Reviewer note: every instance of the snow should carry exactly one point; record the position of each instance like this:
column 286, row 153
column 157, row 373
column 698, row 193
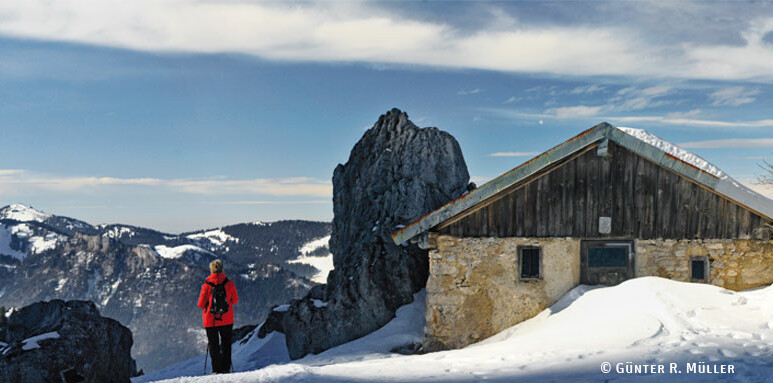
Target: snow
column 318, row 303
column 281, row 308
column 216, row 236
column 32, row 343
column 726, row 184
column 323, row 264
column 646, row 320
column 255, row 353
column 5, row 244
column 313, row 245
column 41, row 244
column 23, row 213
column 673, row 150
column 177, row 251
column 119, row 232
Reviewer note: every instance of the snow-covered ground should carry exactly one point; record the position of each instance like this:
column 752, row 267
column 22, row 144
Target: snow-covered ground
column 322, row 263
column 642, row 321
column 23, row 213
column 177, row 251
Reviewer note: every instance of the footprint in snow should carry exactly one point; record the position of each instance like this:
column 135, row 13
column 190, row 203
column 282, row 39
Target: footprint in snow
column 740, row 301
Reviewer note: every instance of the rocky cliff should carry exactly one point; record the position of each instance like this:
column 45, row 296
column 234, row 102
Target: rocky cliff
column 395, row 174
column 60, row 341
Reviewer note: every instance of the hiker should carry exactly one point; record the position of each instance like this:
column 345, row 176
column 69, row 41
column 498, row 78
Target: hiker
column 217, row 298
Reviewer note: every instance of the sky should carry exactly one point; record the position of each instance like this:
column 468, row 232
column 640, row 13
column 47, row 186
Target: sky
column 190, row 114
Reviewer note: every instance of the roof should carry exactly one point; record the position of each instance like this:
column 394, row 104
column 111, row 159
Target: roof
column 638, row 141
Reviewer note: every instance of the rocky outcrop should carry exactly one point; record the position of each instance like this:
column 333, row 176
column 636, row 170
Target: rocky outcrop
column 395, row 174
column 60, row 341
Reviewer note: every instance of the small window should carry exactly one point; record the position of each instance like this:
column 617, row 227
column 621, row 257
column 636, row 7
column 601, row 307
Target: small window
column 530, row 258
column 699, row 268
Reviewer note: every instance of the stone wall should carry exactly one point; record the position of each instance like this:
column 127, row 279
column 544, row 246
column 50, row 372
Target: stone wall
column 733, row 264
column 474, row 290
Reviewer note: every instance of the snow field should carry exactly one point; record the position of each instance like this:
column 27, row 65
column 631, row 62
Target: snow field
column 644, row 320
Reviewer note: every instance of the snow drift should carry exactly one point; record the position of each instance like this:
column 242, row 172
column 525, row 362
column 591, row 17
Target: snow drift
column 647, row 319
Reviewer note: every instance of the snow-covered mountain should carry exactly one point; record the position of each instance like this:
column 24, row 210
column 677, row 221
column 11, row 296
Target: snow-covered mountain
column 150, row 280
column 643, row 321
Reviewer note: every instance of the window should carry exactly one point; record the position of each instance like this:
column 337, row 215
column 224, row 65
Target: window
column 699, row 268
column 530, row 260
column 607, row 257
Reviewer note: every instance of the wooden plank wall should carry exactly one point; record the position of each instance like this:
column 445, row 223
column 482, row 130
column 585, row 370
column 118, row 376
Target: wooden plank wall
column 645, row 201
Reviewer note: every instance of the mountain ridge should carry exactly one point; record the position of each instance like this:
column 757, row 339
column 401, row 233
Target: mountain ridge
column 139, row 275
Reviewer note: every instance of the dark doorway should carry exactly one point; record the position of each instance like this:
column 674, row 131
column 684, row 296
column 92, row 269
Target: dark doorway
column 606, row 262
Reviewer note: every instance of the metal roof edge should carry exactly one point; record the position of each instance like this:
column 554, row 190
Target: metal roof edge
column 662, row 158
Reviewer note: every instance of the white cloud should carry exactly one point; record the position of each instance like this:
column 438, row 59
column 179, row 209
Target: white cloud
column 468, row 92
column 733, row 96
column 513, row 154
column 697, row 123
column 278, row 202
column 8, row 172
column 574, row 111
column 680, row 119
column 24, row 182
column 362, row 31
column 512, row 99
column 587, row 89
column 730, row 143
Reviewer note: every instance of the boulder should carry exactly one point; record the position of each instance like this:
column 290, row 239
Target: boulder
column 395, row 174
column 64, row 341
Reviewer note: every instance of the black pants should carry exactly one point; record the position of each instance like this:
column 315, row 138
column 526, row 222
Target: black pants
column 219, row 338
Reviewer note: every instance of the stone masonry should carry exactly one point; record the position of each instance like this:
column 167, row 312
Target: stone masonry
column 474, row 290
column 735, row 264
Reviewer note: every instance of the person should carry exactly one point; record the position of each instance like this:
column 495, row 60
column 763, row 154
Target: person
column 218, row 326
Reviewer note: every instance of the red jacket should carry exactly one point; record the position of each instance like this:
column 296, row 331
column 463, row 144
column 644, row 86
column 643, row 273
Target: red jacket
column 206, row 297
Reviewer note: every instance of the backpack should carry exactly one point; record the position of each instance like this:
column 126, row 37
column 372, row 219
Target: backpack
column 219, row 303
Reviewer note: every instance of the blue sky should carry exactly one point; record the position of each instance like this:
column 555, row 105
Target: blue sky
column 181, row 115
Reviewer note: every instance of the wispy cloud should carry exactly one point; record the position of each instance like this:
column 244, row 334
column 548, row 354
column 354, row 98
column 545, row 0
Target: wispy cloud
column 733, row 96
column 574, row 111
column 468, row 92
column 692, row 122
column 278, row 202
column 22, row 181
column 368, row 32
column 513, row 154
column 8, row 172
column 587, row 89
column 730, row 143
column 512, row 100
column 678, row 119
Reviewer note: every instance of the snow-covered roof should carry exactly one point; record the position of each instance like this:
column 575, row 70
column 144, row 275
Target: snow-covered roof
column 638, row 141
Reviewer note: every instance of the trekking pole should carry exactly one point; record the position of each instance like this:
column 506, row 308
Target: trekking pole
column 205, row 360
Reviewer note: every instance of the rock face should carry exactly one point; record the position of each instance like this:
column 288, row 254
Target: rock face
column 395, row 174
column 60, row 341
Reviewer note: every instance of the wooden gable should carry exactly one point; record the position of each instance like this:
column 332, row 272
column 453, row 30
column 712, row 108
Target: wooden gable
column 644, row 200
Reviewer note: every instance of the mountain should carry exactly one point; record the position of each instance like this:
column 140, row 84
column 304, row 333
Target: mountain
column 149, row 280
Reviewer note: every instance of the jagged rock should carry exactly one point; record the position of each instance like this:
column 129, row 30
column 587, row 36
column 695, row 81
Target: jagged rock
column 395, row 174
column 60, row 341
